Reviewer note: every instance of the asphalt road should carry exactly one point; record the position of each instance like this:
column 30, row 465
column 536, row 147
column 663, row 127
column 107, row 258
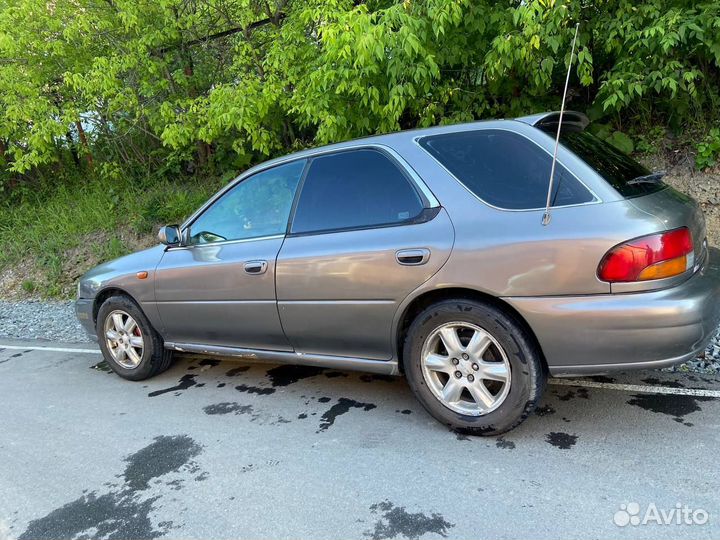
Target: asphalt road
column 220, row 449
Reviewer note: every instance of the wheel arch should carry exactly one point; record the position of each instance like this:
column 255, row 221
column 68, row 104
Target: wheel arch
column 422, row 301
column 106, row 293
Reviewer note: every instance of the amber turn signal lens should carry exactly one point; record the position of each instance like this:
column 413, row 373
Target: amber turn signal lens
column 142, row 275
column 664, row 269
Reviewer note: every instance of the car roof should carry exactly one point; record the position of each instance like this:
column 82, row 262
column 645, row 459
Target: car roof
column 386, row 139
column 544, row 119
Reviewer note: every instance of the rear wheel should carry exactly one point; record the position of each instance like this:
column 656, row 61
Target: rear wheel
column 129, row 343
column 473, row 367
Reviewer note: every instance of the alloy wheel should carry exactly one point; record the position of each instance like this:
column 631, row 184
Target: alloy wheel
column 466, row 368
column 124, row 339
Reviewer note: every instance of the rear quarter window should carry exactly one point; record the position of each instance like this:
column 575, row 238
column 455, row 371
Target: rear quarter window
column 618, row 169
column 505, row 169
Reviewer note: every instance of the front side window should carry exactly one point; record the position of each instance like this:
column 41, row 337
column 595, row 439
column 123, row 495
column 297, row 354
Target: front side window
column 505, row 169
column 354, row 189
column 256, row 207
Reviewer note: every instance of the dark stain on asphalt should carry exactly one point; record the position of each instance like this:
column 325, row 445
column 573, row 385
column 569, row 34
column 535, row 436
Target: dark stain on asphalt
column 209, row 362
column 17, row 355
column 176, row 485
column 254, row 390
column 119, row 513
column 545, row 410
column 227, row 408
column 602, row 379
column 238, row 409
column 289, row 374
column 667, row 384
column 335, row 374
column 404, row 411
column 113, row 515
column 324, row 400
column 572, row 394
column 341, row 407
column 561, row 440
column 395, row 521
column 185, row 382
column 237, row 370
column 221, row 385
column 102, row 366
column 676, row 406
column 370, row 377
column 500, row 442
column 167, row 454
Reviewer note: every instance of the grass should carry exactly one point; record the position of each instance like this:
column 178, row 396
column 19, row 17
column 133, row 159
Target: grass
column 55, row 234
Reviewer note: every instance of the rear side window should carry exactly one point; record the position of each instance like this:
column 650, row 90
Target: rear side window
column 618, row 169
column 505, row 169
column 354, row 189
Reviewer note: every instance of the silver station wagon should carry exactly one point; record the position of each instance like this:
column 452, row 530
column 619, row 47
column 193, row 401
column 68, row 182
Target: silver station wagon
column 424, row 253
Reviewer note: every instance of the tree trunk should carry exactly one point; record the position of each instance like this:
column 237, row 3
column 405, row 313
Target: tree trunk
column 84, row 144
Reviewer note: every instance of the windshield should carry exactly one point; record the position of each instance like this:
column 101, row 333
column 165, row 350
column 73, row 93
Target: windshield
column 620, row 170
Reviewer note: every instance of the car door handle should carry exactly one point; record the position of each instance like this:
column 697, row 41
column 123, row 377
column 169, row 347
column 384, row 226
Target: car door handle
column 412, row 257
column 255, row 267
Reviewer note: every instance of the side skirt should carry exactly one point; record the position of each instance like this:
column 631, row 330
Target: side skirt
column 382, row 367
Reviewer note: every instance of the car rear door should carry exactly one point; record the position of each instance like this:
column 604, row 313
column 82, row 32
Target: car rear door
column 219, row 288
column 365, row 233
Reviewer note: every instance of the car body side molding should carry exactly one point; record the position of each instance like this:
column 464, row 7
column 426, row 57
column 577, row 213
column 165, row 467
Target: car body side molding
column 382, row 367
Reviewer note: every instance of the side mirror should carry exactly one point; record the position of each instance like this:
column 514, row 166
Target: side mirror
column 170, row 235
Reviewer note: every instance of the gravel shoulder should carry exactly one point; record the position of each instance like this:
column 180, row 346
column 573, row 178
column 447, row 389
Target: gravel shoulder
column 34, row 319
column 55, row 321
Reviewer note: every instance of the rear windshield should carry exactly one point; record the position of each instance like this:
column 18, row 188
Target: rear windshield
column 620, row 170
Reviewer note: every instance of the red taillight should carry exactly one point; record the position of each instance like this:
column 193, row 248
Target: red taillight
column 655, row 256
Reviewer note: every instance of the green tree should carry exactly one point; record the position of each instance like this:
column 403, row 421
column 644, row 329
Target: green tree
column 141, row 87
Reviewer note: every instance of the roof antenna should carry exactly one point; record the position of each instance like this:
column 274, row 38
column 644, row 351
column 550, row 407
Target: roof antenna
column 546, row 215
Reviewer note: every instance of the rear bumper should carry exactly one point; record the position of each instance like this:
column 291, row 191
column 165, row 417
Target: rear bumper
column 590, row 335
column 84, row 314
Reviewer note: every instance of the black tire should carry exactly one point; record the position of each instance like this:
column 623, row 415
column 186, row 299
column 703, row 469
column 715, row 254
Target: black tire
column 154, row 360
column 527, row 374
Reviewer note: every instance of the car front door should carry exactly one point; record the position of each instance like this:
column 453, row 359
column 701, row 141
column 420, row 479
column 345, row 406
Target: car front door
column 219, row 287
column 363, row 236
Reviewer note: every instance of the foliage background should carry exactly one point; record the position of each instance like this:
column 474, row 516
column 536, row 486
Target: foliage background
column 116, row 115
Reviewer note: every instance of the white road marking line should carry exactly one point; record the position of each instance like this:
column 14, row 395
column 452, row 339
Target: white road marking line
column 637, row 388
column 54, row 349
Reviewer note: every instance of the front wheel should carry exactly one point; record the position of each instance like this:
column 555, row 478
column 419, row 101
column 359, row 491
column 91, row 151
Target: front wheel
column 129, row 343
column 473, row 367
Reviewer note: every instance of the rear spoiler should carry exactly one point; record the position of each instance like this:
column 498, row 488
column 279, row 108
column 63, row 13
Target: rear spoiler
column 549, row 120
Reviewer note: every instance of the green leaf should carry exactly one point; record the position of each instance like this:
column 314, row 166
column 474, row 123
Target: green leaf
column 621, row 141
